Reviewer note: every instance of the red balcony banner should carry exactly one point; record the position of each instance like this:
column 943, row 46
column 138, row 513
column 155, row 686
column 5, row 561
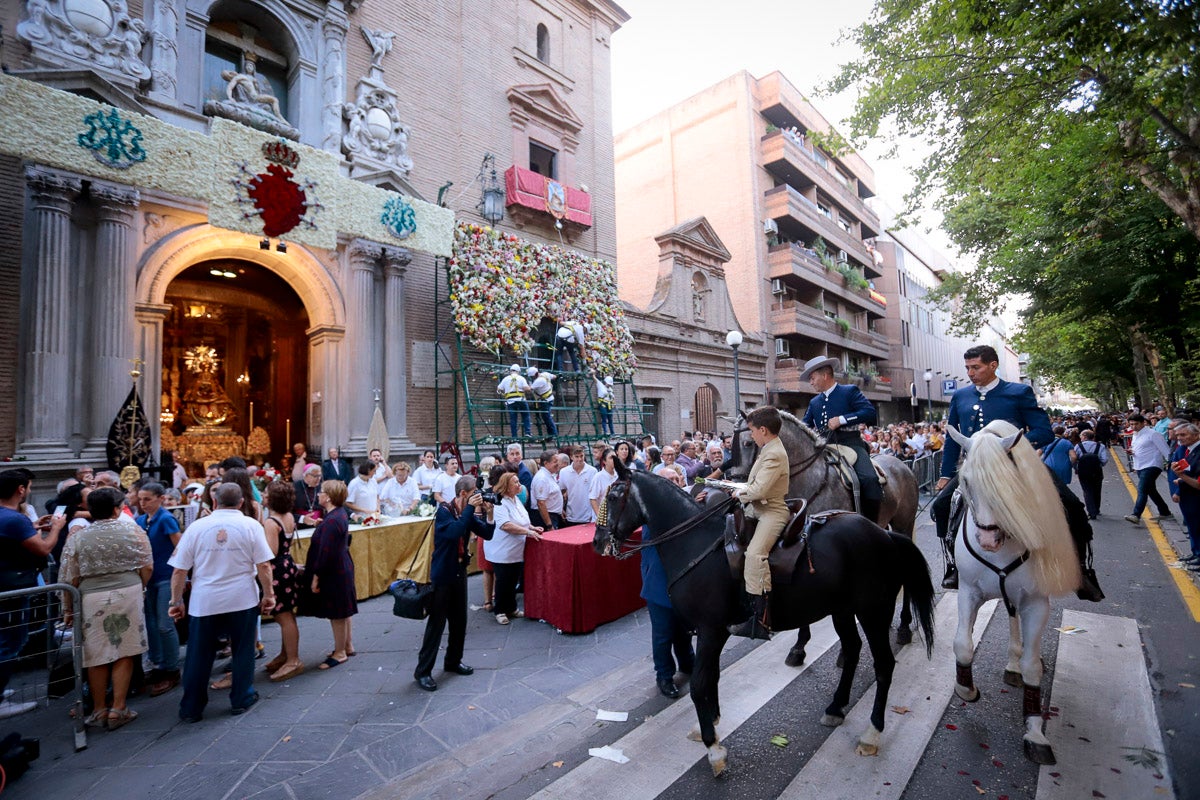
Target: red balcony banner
column 878, row 298
column 527, row 189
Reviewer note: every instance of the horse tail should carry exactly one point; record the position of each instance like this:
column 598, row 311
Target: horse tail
column 914, row 573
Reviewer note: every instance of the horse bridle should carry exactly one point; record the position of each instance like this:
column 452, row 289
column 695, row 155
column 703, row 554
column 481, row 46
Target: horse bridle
column 613, row 547
column 1001, row 572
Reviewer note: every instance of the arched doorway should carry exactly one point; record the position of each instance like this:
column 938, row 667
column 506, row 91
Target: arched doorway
column 255, row 325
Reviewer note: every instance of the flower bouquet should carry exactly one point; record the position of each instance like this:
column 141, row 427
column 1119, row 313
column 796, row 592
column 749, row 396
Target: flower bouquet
column 425, row 510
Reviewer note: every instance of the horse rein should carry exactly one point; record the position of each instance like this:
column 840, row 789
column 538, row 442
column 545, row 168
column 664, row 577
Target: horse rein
column 1001, row 572
column 615, row 546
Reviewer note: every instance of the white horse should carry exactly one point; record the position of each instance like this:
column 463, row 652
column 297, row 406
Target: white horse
column 1014, row 544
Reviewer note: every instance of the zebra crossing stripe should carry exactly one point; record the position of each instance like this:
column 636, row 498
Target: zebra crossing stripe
column 1106, row 735
column 923, row 686
column 658, row 749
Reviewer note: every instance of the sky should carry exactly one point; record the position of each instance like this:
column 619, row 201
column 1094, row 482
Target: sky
column 672, row 49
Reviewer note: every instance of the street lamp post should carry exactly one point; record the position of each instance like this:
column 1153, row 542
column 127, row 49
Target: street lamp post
column 734, row 340
column 929, row 395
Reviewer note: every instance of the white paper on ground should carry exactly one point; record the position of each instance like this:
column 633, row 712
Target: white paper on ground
column 612, row 716
column 609, row 753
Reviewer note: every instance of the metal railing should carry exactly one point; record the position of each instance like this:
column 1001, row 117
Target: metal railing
column 49, row 663
column 926, row 467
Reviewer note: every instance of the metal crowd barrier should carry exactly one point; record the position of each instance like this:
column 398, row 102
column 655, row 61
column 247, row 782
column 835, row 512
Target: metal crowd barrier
column 50, row 663
column 926, row 467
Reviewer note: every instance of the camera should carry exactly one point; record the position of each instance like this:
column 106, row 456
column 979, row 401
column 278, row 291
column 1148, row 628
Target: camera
column 488, row 496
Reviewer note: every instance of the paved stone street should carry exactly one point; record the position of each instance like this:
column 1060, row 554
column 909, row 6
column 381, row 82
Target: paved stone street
column 345, row 731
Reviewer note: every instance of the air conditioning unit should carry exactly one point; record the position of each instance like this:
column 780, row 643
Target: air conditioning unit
column 770, row 227
column 783, row 348
column 777, row 286
column 842, row 257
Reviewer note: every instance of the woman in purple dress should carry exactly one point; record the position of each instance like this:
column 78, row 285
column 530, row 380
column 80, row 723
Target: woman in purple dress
column 330, row 572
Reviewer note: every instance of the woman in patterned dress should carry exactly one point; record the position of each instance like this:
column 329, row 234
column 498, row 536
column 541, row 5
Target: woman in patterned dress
column 110, row 562
column 280, row 528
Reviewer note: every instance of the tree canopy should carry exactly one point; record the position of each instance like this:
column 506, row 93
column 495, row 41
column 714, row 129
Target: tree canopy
column 1067, row 160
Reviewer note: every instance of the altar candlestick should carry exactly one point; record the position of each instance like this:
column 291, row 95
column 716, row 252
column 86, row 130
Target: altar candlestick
column 287, row 436
column 252, row 415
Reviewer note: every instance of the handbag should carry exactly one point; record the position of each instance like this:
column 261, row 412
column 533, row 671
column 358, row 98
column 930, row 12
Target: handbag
column 410, row 599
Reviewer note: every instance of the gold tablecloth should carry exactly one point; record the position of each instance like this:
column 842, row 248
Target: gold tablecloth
column 382, row 553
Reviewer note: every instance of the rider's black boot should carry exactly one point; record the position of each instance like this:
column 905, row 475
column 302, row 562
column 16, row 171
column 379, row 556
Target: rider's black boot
column 758, row 626
column 1089, row 587
column 950, row 580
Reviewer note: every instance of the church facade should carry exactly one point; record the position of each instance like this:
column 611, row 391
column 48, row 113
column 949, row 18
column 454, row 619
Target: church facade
column 248, row 205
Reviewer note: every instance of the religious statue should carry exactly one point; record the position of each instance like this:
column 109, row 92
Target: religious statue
column 250, row 100
column 381, row 45
column 205, row 400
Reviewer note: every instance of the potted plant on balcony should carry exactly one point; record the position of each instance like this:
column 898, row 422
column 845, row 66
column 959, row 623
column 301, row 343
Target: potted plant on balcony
column 843, row 325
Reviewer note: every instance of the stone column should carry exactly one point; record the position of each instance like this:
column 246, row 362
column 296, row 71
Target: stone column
column 164, row 48
column 148, row 344
column 327, row 384
column 110, row 338
column 363, row 257
column 333, row 75
column 47, row 322
column 395, row 342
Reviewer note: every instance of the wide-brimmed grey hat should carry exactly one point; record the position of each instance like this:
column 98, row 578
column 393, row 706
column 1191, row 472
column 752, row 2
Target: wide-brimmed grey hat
column 814, row 364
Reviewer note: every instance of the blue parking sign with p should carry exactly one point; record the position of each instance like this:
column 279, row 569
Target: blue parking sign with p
column 949, row 387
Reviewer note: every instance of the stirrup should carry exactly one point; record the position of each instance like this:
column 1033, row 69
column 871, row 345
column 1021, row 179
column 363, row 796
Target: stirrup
column 758, row 626
column 950, row 581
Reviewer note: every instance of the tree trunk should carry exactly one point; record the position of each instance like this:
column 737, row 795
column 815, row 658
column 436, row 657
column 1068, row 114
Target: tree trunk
column 1139, row 374
column 1150, row 351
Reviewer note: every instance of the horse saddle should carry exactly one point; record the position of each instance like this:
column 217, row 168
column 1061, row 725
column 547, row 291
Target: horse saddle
column 739, row 530
column 845, row 462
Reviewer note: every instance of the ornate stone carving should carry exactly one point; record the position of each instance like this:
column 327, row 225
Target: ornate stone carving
column 251, row 101
column 377, row 139
column 164, row 49
column 333, row 83
column 97, row 34
column 158, row 225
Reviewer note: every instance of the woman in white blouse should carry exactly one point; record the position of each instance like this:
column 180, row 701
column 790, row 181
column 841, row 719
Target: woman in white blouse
column 399, row 496
column 506, row 550
column 425, row 474
column 603, row 479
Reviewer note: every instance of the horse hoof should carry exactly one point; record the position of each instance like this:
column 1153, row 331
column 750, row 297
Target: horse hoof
column 1039, row 753
column 1013, row 678
column 794, row 657
column 718, row 760
column 694, row 735
column 970, row 695
column 903, row 636
column 832, row 721
column 867, row 749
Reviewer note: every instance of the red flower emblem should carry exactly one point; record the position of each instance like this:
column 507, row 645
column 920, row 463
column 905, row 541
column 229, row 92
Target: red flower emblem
column 280, row 200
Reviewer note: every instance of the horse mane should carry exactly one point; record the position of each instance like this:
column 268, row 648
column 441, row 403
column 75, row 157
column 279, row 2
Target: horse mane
column 1019, row 494
column 816, row 438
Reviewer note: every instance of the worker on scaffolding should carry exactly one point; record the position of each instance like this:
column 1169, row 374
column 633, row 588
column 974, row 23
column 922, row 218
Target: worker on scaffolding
column 542, row 386
column 570, row 342
column 513, row 388
column 605, row 402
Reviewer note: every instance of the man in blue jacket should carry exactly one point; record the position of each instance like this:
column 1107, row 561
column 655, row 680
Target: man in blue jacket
column 453, row 525
column 838, row 411
column 971, row 409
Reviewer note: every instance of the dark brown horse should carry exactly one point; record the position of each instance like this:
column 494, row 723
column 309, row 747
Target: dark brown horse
column 859, row 570
column 815, row 477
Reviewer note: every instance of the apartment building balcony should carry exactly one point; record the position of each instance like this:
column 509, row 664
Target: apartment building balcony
column 538, row 197
column 787, row 380
column 797, row 163
column 792, row 209
column 790, row 318
column 792, row 262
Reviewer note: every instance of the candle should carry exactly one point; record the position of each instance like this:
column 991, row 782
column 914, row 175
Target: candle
column 287, row 436
column 251, row 415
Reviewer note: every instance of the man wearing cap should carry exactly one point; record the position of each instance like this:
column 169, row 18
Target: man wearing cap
column 513, row 388
column 837, row 411
column 570, row 342
column 542, row 386
column 604, row 400
column 971, row 409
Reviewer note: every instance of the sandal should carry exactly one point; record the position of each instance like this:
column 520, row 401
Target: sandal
column 517, row 615
column 488, row 606
column 98, row 719
column 330, row 663
column 120, row 717
column 286, row 672
column 502, row 619
column 275, row 663
column 224, row 682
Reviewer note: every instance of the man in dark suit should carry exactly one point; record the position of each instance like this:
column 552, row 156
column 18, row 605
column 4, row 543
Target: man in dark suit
column 336, row 468
column 453, row 526
column 838, row 411
column 971, row 409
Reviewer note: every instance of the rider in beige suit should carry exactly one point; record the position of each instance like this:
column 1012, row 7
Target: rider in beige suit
column 765, row 500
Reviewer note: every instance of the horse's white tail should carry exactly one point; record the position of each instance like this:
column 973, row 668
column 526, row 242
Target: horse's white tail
column 1020, row 496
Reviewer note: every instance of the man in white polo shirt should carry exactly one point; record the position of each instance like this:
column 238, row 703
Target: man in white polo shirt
column 576, row 481
column 225, row 552
column 547, row 494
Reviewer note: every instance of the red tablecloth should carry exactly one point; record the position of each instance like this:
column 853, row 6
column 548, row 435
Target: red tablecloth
column 568, row 585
